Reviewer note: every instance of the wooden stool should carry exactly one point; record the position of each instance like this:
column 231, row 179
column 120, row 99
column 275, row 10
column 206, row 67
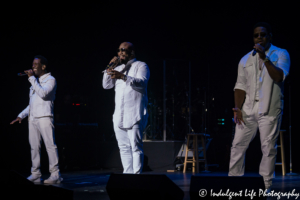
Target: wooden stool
column 282, row 152
column 195, row 160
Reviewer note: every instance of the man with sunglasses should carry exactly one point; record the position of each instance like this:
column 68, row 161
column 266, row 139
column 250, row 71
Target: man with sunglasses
column 130, row 78
column 258, row 95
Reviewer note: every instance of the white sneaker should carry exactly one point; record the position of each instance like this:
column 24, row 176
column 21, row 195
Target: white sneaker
column 34, row 178
column 53, row 180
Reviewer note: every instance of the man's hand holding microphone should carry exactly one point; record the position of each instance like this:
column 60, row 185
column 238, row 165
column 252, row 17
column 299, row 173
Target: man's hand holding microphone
column 113, row 73
column 28, row 72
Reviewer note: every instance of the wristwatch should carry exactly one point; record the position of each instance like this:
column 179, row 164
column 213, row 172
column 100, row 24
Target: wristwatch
column 266, row 59
column 125, row 78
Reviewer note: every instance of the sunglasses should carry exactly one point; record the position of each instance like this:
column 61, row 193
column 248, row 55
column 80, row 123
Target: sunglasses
column 122, row 50
column 261, row 34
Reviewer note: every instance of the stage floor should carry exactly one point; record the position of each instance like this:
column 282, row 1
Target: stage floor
column 91, row 185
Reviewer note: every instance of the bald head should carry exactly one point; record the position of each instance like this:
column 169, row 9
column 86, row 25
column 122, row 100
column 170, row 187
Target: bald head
column 126, row 52
column 128, row 45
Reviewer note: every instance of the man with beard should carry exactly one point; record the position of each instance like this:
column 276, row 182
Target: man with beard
column 261, row 74
column 40, row 119
column 130, row 78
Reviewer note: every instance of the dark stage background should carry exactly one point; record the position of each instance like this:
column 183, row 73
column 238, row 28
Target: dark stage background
column 80, row 39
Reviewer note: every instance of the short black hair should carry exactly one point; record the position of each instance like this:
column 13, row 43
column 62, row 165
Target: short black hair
column 43, row 60
column 265, row 25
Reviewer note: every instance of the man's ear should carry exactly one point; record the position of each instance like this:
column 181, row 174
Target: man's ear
column 44, row 67
column 271, row 37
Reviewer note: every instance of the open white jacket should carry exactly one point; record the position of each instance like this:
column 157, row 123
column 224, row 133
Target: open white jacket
column 41, row 97
column 131, row 96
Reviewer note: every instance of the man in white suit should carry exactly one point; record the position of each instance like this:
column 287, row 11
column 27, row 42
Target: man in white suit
column 130, row 78
column 40, row 119
column 258, row 95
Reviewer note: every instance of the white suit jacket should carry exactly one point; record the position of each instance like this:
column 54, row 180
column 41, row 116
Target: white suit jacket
column 131, row 96
column 42, row 96
column 271, row 92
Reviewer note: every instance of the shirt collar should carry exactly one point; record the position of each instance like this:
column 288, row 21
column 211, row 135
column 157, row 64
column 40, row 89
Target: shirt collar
column 131, row 61
column 269, row 51
column 44, row 76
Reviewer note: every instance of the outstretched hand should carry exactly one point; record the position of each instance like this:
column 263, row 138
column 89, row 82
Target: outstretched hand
column 18, row 119
column 238, row 116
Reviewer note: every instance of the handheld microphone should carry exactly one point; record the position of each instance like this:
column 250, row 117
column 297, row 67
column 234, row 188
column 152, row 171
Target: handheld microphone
column 254, row 52
column 111, row 64
column 21, row 74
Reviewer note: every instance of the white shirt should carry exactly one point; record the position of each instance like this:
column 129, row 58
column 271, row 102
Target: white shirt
column 258, row 72
column 270, row 92
column 42, row 96
column 131, row 96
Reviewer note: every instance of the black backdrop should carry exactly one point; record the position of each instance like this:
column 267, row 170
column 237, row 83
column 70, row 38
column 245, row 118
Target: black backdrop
column 80, row 39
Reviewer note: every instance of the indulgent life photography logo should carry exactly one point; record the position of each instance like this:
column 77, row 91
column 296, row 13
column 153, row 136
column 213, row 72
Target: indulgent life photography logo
column 249, row 194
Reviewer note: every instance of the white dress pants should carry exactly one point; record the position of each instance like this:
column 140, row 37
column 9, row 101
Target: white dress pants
column 131, row 148
column 43, row 128
column 269, row 127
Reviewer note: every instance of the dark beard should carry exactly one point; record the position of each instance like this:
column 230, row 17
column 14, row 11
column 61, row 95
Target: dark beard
column 124, row 61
